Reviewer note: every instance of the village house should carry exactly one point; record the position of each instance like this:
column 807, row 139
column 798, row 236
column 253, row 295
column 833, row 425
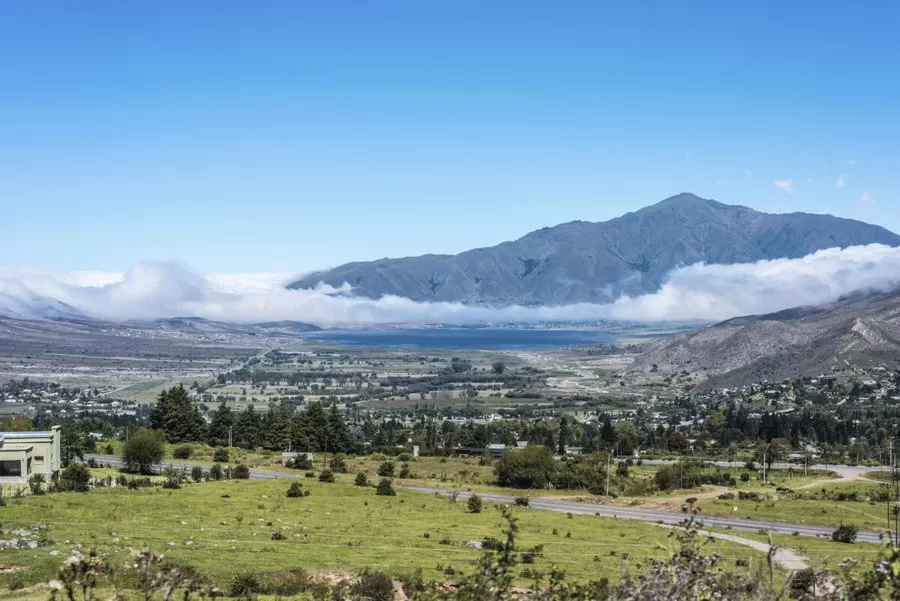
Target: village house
column 23, row 454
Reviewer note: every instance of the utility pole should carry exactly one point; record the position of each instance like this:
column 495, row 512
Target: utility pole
column 765, row 450
column 229, row 437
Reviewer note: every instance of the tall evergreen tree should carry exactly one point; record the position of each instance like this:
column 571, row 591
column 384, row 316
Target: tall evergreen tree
column 176, row 416
column 222, row 420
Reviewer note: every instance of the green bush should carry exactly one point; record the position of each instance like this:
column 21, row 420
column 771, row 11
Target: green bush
column 361, row 479
column 241, row 472
column 295, row 490
column 220, row 455
column 386, row 469
column 531, row 467
column 846, row 533
column 75, row 478
column 523, row 501
column 215, row 472
column 326, row 476
column 374, row 587
column 142, row 451
column 474, row 504
column 36, row 484
column 338, row 464
column 183, row 451
column 404, row 470
column 385, row 488
column 245, row 586
column 196, row 473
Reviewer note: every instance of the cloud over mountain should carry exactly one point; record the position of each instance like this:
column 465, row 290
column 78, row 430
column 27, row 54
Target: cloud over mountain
column 700, row 292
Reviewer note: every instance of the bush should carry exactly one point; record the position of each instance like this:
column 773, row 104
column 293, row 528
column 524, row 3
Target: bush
column 36, row 484
column 215, row 472
column 196, row 473
column 142, row 451
column 74, row 478
column 326, row 476
column 241, row 472
column 302, row 462
column 108, row 449
column 385, row 488
column 404, row 470
column 295, row 490
column 278, row 536
column 245, row 586
column 523, row 501
column 846, row 533
column 386, row 469
column 220, row 455
column 361, row 480
column 745, row 477
column 183, row 451
column 375, row 587
column 474, row 504
column 338, row 464
column 531, row 467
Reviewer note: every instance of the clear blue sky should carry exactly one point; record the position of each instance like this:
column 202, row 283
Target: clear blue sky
column 282, row 136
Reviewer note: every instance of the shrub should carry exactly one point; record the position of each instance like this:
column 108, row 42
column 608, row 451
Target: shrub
column 386, row 469
column 302, row 462
column 338, row 464
column 474, row 504
column 326, row 476
column 196, row 473
column 295, row 490
column 802, row 582
column 375, row 587
column 846, row 533
column 245, row 586
column 385, row 488
column 523, row 501
column 108, row 449
column 745, row 477
column 183, row 451
column 36, row 484
column 361, row 479
column 142, row 451
column 215, row 472
column 404, row 470
column 220, row 455
column 404, row 457
column 278, row 536
column 74, row 478
column 532, row 467
column 241, row 472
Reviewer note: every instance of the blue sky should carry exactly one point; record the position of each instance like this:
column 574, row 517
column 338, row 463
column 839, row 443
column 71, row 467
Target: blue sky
column 284, row 136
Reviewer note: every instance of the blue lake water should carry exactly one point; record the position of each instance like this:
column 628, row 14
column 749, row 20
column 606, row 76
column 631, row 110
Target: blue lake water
column 463, row 338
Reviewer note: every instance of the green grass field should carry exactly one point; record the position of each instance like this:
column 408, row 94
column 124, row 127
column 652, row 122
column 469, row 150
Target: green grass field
column 226, row 527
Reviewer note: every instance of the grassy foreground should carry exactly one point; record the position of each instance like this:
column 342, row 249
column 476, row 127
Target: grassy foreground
column 223, row 528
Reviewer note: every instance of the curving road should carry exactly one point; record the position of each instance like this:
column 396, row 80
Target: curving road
column 582, row 508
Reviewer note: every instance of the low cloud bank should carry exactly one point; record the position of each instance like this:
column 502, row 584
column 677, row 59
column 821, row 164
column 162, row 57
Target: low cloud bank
column 694, row 293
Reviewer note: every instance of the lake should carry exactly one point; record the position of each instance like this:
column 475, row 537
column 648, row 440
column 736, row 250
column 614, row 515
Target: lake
column 463, row 338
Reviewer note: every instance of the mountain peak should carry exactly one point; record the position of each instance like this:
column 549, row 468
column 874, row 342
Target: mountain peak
column 580, row 262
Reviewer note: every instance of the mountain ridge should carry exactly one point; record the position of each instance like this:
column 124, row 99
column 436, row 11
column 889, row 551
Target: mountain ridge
column 583, row 261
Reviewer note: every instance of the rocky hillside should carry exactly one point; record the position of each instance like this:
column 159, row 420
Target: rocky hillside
column 862, row 330
column 598, row 262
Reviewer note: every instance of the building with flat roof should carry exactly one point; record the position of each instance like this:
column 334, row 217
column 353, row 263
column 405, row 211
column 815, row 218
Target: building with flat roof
column 23, row 454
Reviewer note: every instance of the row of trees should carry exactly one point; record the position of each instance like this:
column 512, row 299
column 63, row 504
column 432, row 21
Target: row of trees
column 313, row 429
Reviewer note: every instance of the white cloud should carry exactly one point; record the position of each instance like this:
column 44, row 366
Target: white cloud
column 785, row 184
column 841, row 181
column 748, row 173
column 850, row 162
column 697, row 292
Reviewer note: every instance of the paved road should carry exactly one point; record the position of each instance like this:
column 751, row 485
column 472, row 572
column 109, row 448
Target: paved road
column 579, row 508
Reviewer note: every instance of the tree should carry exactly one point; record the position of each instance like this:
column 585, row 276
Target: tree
column 241, row 472
column 385, row 488
column 176, row 417
column 563, row 435
column 222, row 420
column 142, row 451
column 846, row 533
column 474, row 504
column 498, row 367
column 361, row 479
column 626, row 437
column 295, row 490
column 71, row 444
column 220, row 456
column 386, row 469
column 75, row 478
column 531, row 467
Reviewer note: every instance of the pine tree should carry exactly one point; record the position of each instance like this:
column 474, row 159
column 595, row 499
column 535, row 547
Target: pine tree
column 222, row 420
column 176, row 416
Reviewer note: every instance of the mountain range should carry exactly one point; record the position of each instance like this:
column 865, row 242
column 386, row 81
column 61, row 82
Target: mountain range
column 598, row 262
column 862, row 330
